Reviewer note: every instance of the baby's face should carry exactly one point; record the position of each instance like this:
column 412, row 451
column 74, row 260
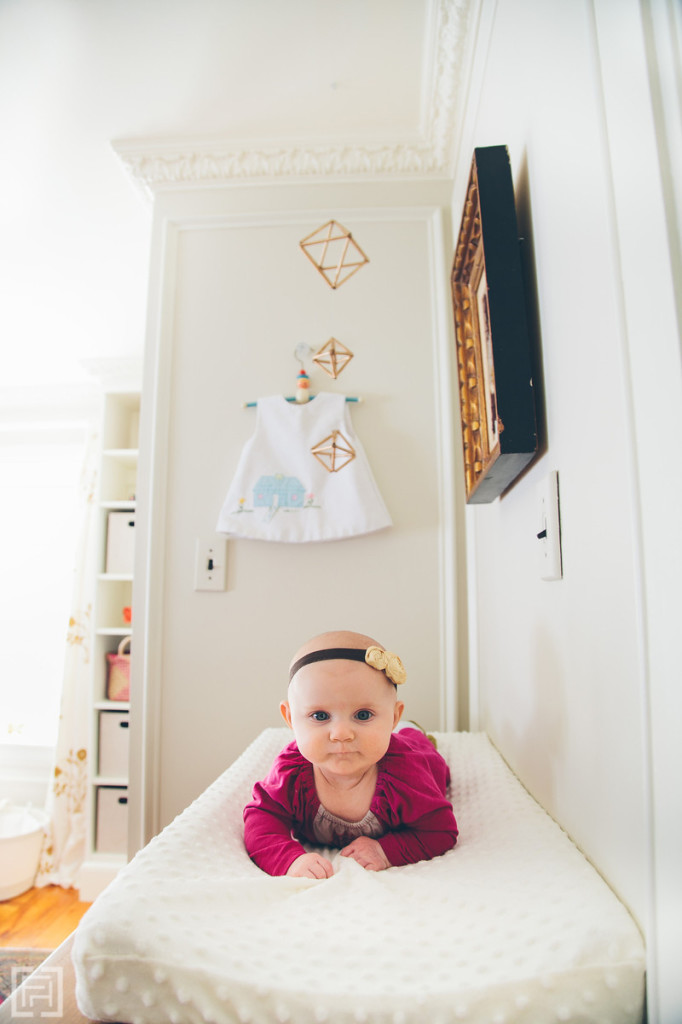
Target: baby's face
column 342, row 714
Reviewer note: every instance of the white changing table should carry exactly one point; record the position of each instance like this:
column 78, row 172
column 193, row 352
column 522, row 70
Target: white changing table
column 513, row 925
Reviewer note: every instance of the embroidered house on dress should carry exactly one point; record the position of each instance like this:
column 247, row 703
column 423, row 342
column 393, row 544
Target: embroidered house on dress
column 278, row 491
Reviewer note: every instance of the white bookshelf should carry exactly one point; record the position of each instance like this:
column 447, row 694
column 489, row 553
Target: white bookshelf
column 113, row 592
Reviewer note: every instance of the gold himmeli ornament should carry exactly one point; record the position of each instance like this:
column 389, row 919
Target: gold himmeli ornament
column 334, row 452
column 334, row 252
column 333, row 357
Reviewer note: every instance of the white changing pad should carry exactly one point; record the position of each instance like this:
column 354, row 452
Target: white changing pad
column 513, row 925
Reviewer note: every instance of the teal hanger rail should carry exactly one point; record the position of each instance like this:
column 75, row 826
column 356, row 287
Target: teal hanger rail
column 292, row 398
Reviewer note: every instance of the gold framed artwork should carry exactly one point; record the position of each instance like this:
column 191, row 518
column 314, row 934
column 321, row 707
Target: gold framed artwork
column 494, row 359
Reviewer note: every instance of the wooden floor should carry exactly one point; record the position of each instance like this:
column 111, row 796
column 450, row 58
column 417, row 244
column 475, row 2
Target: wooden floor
column 40, row 918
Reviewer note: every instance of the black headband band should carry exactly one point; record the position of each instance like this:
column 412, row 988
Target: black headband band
column 330, row 654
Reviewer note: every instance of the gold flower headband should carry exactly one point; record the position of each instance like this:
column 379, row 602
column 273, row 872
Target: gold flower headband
column 388, row 662
column 375, row 657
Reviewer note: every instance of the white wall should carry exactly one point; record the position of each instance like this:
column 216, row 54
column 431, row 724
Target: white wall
column 576, row 680
column 240, row 296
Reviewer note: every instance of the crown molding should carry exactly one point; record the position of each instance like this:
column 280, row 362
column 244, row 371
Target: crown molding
column 162, row 164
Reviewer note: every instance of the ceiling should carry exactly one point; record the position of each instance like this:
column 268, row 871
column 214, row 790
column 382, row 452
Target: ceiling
column 189, row 90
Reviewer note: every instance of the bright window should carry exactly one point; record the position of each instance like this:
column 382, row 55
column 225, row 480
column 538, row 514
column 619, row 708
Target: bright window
column 40, row 469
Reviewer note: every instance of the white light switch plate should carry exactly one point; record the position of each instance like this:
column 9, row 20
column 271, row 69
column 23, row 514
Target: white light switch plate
column 549, row 528
column 210, row 563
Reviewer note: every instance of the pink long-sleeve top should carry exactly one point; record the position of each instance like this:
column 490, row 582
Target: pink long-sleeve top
column 415, row 818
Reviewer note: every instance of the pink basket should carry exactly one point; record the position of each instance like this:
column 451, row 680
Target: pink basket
column 118, row 672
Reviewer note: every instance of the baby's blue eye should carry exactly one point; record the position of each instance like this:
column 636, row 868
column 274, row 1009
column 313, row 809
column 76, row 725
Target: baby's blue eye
column 320, row 716
column 364, row 715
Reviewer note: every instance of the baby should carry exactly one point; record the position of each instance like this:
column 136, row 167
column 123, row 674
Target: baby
column 348, row 780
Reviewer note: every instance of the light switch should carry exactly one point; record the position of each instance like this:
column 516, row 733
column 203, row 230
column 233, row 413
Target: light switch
column 549, row 528
column 210, row 563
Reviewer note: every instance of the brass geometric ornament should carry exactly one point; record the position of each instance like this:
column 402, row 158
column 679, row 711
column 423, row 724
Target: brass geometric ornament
column 334, row 452
column 333, row 357
column 334, row 252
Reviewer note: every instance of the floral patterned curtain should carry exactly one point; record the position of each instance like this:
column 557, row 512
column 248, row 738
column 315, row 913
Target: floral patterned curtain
column 65, row 843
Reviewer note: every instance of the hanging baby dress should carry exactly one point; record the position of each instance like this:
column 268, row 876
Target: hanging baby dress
column 303, row 476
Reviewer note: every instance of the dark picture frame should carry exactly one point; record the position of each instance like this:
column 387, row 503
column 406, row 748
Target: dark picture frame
column 494, row 359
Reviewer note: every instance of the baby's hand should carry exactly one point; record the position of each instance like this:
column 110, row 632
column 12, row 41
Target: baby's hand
column 311, row 865
column 368, row 853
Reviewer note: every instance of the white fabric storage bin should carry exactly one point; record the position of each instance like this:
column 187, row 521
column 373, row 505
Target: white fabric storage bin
column 114, row 743
column 112, row 820
column 121, row 542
